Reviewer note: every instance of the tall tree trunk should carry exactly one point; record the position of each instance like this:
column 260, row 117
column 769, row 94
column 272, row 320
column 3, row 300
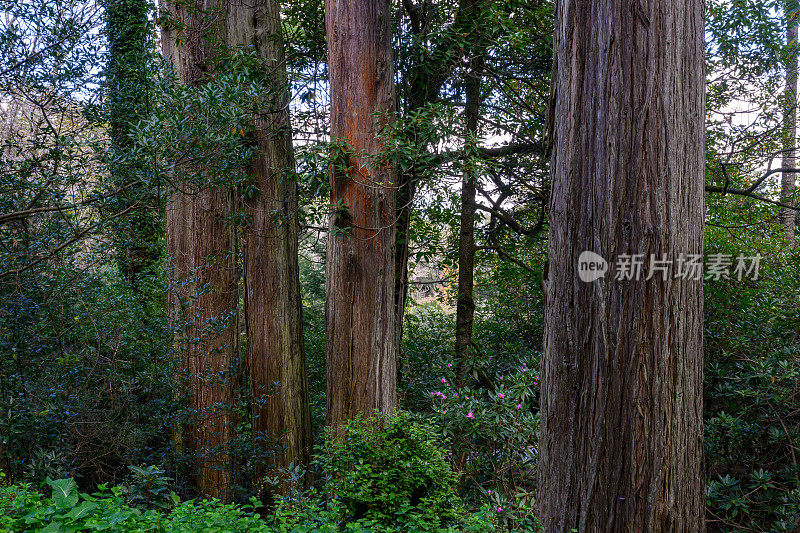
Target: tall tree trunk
column 274, row 353
column 465, row 302
column 201, row 244
column 360, row 271
column 788, row 216
column 129, row 87
column 621, row 406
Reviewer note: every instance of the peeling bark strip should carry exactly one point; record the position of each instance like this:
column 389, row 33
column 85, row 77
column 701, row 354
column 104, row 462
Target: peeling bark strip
column 202, row 248
column 621, row 406
column 275, row 357
column 360, row 270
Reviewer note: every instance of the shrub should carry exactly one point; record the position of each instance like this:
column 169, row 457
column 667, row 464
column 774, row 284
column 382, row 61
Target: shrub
column 492, row 421
column 391, row 470
column 494, row 433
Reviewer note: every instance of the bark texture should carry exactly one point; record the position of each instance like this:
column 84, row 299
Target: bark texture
column 275, row 357
column 201, row 244
column 788, row 179
column 360, row 309
column 203, row 313
column 621, row 406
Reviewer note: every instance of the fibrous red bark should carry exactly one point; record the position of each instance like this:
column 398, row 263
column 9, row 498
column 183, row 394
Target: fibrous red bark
column 360, row 271
column 621, row 404
column 275, row 356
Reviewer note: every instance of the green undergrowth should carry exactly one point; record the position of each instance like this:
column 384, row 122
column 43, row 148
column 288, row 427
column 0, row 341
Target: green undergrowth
column 67, row 510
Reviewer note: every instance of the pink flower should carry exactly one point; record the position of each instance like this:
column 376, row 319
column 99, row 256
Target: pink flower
column 519, row 406
column 499, row 509
column 501, row 395
column 489, row 491
column 444, row 380
column 456, row 395
column 470, row 416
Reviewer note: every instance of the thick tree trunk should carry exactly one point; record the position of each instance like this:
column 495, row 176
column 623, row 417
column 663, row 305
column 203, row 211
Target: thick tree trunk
column 275, row 357
column 788, row 179
column 621, row 406
column 360, row 272
column 465, row 301
column 203, row 313
column 201, row 247
column 129, row 86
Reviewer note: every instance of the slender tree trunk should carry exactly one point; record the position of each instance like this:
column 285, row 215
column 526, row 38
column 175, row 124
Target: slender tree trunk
column 201, row 244
column 275, row 358
column 621, row 406
column 424, row 86
column 465, row 302
column 788, row 216
column 360, row 271
column 129, row 87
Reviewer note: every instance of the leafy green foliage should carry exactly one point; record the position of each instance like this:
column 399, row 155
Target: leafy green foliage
column 86, row 381
column 24, row 510
column 751, row 383
column 149, row 487
column 492, row 423
column 392, row 470
column 85, row 377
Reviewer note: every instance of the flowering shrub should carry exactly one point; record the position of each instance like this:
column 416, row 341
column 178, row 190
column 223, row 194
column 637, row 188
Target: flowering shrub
column 494, row 436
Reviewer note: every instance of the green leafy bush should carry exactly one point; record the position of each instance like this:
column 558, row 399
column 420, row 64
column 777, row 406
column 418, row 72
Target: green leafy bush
column 67, row 510
column 494, row 431
column 391, row 470
column 149, row 487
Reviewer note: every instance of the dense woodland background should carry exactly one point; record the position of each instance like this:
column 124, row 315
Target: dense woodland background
column 230, row 233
